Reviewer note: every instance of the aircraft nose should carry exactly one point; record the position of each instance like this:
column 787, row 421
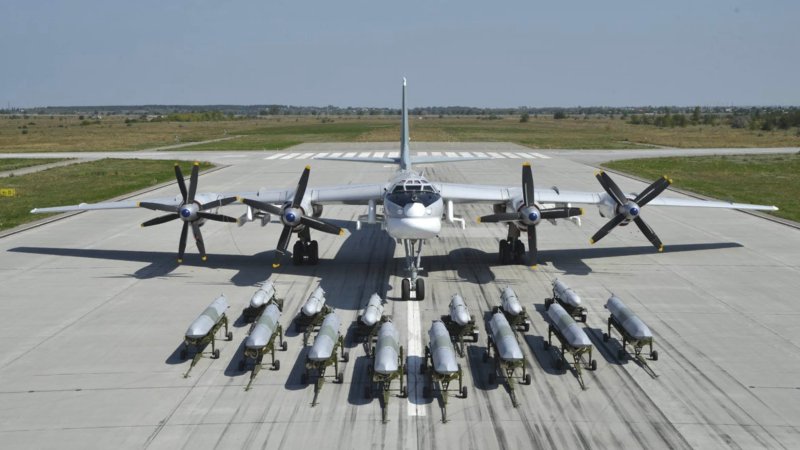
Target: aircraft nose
column 414, row 210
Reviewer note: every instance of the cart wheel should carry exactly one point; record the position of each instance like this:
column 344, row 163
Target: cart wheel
column 404, row 392
column 339, row 378
column 284, row 346
column 594, row 364
column 527, row 379
column 216, row 354
column 475, row 337
column 495, row 309
column 545, row 344
column 184, row 354
column 492, row 377
column 621, row 354
column 463, row 392
column 276, row 365
column 426, row 392
column 526, row 327
column 229, row 336
column 584, row 316
column 346, row 356
column 606, row 337
column 654, row 355
column 241, row 366
column 304, row 378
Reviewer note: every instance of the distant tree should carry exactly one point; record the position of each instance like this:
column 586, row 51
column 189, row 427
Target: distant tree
column 559, row 115
column 524, row 117
column 696, row 115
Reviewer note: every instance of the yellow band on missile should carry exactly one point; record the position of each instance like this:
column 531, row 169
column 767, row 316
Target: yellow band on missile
column 308, row 167
column 204, row 258
column 591, row 241
column 196, row 163
column 661, row 248
column 478, row 219
column 526, row 163
column 276, row 265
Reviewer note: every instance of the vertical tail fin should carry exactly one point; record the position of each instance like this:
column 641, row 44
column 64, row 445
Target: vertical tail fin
column 405, row 152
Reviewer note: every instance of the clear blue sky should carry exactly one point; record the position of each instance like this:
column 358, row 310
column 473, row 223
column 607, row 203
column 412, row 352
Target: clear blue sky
column 354, row 53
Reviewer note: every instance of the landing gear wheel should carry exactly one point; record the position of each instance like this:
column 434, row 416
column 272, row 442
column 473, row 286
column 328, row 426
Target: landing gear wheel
column 502, row 251
column 508, row 252
column 420, row 289
column 519, row 250
column 584, row 316
column 547, row 303
column 297, row 253
column 405, row 289
column 313, row 253
column 545, row 345
column 404, row 392
column 654, row 355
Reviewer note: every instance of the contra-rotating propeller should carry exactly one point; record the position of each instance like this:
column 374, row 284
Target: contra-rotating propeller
column 529, row 214
column 630, row 209
column 293, row 216
column 189, row 211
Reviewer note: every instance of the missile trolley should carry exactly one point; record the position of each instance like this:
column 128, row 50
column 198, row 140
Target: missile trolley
column 371, row 317
column 203, row 331
column 573, row 341
column 261, row 298
column 632, row 329
column 388, row 363
column 440, row 363
column 568, row 299
column 515, row 313
column 262, row 341
column 507, row 354
column 312, row 313
column 323, row 354
column 460, row 323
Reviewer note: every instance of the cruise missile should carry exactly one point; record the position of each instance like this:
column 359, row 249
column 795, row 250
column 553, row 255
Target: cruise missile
column 510, row 302
column 315, row 303
column 503, row 337
column 441, row 349
column 263, row 295
column 458, row 310
column 566, row 294
column 325, row 342
column 264, row 328
column 627, row 319
column 563, row 322
column 210, row 317
column 373, row 311
column 387, row 350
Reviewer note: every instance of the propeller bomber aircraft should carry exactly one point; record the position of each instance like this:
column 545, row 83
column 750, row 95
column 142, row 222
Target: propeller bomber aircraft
column 413, row 209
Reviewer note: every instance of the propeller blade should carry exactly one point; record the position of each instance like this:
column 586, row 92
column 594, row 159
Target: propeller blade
column 217, row 217
column 607, row 227
column 159, row 207
column 193, row 182
column 649, row 233
column 181, row 183
column 561, row 213
column 301, row 187
column 501, row 217
column 527, row 184
column 283, row 244
column 653, row 191
column 262, row 206
column 320, row 225
column 182, row 242
column 217, row 203
column 198, row 239
column 532, row 247
column 159, row 220
column 611, row 188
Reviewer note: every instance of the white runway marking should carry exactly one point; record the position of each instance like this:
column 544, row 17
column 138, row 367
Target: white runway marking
column 436, row 154
column 290, row 156
column 480, row 154
column 276, row 156
column 496, row 155
column 394, row 154
column 522, row 155
column 541, row 155
column 415, row 408
column 350, row 154
column 466, row 154
column 364, row 155
column 320, row 155
column 422, row 154
column 379, row 154
column 451, row 154
column 305, row 155
column 335, row 155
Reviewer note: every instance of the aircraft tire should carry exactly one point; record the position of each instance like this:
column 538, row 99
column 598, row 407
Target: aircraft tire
column 313, row 253
column 420, row 293
column 502, row 251
column 297, row 253
column 405, row 289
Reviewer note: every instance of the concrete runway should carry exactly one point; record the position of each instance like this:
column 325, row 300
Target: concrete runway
column 95, row 310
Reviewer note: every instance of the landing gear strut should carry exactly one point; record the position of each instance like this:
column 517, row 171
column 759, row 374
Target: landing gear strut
column 512, row 250
column 305, row 250
column 413, row 249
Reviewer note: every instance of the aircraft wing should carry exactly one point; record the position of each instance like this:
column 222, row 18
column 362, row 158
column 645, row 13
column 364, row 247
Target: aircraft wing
column 344, row 194
column 124, row 204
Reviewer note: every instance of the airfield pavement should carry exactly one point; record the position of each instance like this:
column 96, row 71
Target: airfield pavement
column 95, row 309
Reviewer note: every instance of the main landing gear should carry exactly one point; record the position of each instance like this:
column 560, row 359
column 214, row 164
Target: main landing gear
column 305, row 251
column 413, row 284
column 511, row 251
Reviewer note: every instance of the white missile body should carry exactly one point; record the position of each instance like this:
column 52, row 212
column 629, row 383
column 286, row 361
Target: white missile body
column 315, row 303
column 326, row 339
column 262, row 295
column 205, row 321
column 566, row 294
column 458, row 310
column 264, row 328
column 510, row 302
column 562, row 321
column 387, row 350
column 629, row 321
column 442, row 352
column 373, row 312
column 504, row 339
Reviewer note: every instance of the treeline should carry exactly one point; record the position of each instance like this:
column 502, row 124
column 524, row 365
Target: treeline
column 766, row 119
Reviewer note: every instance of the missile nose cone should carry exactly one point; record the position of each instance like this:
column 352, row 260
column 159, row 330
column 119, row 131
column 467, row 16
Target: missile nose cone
column 370, row 317
column 461, row 317
column 513, row 308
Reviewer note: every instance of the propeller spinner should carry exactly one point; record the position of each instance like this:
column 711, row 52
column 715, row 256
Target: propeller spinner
column 189, row 211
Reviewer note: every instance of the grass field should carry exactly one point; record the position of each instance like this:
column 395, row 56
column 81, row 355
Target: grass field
column 762, row 179
column 86, row 182
column 7, row 164
column 65, row 133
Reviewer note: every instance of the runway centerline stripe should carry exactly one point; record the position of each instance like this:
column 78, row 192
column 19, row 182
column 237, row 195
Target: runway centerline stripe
column 415, row 406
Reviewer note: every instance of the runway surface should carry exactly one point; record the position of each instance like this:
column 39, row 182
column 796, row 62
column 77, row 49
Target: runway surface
column 95, row 309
